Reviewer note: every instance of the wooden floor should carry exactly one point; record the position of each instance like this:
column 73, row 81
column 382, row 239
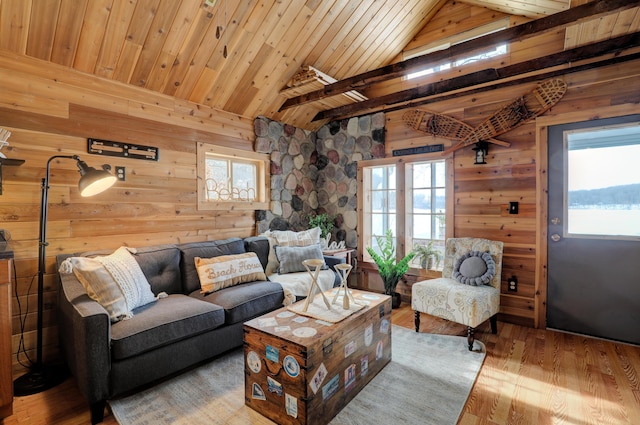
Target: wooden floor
column 529, row 376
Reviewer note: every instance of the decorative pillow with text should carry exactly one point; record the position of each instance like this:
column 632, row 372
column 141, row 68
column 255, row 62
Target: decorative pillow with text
column 228, row 270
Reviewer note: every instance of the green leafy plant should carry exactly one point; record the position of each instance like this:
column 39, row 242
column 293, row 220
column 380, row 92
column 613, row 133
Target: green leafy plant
column 324, row 222
column 424, row 252
column 390, row 270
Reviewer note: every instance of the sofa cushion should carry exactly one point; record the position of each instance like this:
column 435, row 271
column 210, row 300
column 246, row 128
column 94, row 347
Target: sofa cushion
column 259, row 245
column 474, row 268
column 288, row 238
column 291, row 257
column 208, row 249
column 246, row 301
column 161, row 265
column 168, row 320
column 227, row 270
column 115, row 281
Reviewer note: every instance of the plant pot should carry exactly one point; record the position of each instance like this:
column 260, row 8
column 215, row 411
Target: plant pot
column 396, row 300
column 427, row 263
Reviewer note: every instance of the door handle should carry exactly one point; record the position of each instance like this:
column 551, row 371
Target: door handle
column 555, row 237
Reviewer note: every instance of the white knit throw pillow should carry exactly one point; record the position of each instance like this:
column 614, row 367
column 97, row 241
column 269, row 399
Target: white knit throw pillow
column 115, row 281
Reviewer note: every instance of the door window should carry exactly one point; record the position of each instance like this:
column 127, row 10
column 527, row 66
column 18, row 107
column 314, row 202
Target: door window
column 602, row 195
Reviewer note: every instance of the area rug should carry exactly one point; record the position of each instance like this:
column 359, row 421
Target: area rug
column 427, row 382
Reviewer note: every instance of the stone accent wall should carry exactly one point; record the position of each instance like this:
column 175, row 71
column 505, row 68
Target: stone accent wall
column 314, row 173
column 293, row 194
column 341, row 144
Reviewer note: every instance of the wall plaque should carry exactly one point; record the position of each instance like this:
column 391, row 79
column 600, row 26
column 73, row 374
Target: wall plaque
column 122, row 150
column 418, row 149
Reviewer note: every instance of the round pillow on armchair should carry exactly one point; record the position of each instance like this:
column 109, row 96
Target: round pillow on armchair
column 474, row 268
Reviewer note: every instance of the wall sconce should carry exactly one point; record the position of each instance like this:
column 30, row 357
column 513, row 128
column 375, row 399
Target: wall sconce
column 481, row 149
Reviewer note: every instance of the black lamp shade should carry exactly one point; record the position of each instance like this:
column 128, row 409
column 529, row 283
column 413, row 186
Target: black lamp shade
column 94, row 181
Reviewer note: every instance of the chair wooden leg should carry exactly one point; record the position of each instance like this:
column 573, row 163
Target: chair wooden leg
column 494, row 324
column 470, row 337
column 417, row 321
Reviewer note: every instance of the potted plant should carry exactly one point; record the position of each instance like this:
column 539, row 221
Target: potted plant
column 390, row 270
column 426, row 254
column 326, row 225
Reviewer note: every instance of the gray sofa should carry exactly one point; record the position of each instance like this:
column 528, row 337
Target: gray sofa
column 166, row 336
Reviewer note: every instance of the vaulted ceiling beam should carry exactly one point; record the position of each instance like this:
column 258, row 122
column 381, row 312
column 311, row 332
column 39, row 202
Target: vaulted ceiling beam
column 489, row 75
column 529, row 78
column 517, row 33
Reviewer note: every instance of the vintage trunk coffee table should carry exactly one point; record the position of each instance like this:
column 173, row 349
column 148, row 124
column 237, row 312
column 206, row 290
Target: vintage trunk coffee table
column 303, row 370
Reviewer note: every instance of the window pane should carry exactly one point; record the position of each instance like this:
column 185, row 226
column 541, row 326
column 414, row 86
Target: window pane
column 422, row 175
column 217, row 169
column 378, row 180
column 392, row 223
column 441, row 200
column 228, row 180
column 422, row 201
column 603, row 179
column 422, row 226
column 217, row 181
column 226, row 175
column 379, row 201
column 378, row 223
column 440, row 227
column 244, row 176
column 425, row 213
column 392, row 202
column 383, row 202
column 244, row 181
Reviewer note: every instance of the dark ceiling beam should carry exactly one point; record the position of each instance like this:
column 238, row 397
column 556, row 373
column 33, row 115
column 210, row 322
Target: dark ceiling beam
column 515, row 82
column 489, row 75
column 521, row 32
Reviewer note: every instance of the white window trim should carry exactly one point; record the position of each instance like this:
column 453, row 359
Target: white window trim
column 364, row 223
column 261, row 161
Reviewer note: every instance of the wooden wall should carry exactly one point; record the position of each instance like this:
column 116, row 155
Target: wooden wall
column 518, row 173
column 483, row 192
column 52, row 110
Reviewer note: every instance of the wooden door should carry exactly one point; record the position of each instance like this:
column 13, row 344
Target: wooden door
column 594, row 228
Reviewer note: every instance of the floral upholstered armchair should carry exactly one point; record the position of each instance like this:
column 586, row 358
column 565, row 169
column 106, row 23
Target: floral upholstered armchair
column 468, row 291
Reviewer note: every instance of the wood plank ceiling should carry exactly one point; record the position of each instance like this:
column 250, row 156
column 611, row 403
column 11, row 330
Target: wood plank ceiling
column 177, row 47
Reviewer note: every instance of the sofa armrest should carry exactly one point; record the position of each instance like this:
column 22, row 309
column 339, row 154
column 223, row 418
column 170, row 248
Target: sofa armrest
column 84, row 330
column 331, row 261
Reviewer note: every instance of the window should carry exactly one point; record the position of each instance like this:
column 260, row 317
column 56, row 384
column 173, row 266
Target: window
column 426, row 208
column 231, row 178
column 411, row 197
column 381, row 205
column 602, row 190
column 500, row 49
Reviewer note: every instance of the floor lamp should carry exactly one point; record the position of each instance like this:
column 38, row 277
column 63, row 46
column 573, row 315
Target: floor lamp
column 92, row 182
